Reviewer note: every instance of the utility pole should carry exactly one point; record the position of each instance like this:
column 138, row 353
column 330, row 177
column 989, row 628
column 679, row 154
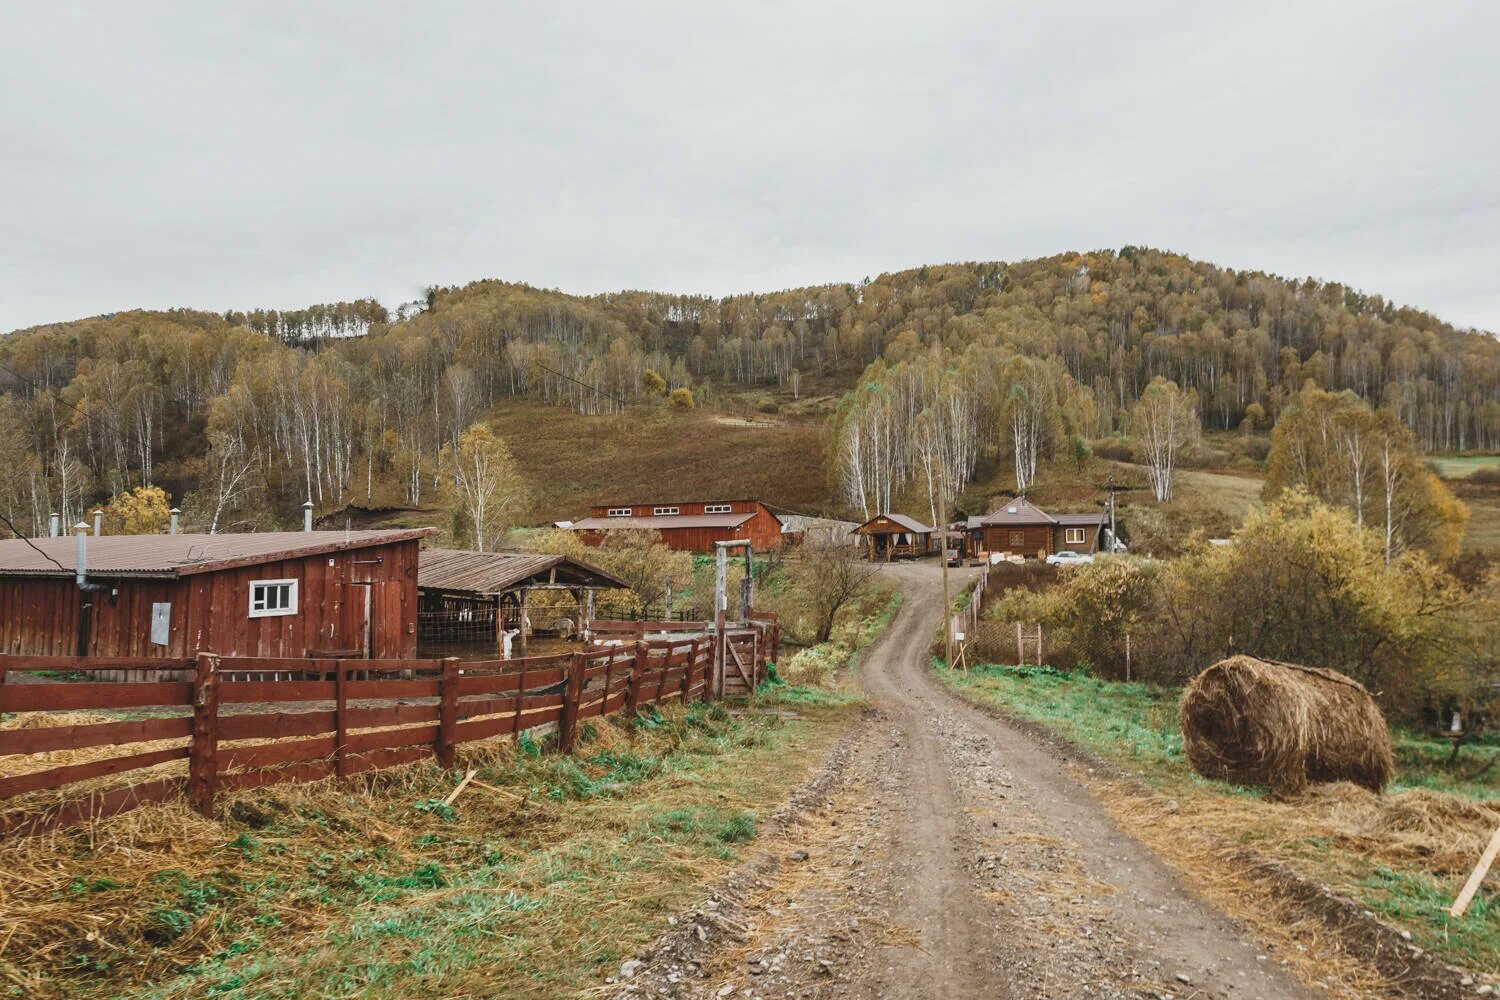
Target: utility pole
column 1109, row 484
column 943, row 557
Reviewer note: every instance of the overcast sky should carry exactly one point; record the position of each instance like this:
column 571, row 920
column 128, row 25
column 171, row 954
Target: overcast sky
column 234, row 155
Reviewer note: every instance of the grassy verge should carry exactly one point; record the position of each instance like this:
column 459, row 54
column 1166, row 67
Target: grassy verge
column 535, row 886
column 824, row 673
column 1403, row 855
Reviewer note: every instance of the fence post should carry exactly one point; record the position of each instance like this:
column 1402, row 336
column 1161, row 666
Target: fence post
column 1020, row 647
column 633, row 689
column 687, row 673
column 340, row 718
column 203, row 752
column 447, row 713
column 567, row 727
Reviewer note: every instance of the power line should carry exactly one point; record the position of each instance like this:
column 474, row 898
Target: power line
column 33, row 545
column 597, row 390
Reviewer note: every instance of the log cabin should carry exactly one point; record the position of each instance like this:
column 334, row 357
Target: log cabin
column 688, row 526
column 1021, row 528
column 274, row 594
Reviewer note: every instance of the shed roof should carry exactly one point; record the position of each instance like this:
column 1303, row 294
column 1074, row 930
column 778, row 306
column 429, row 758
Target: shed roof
column 908, row 523
column 1074, row 520
column 171, row 556
column 662, row 522
column 463, row 571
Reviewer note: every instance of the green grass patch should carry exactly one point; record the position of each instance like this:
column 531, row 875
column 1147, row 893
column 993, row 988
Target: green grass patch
column 1136, row 725
column 544, row 887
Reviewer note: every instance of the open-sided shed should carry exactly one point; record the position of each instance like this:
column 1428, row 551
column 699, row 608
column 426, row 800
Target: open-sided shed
column 894, row 536
column 469, row 597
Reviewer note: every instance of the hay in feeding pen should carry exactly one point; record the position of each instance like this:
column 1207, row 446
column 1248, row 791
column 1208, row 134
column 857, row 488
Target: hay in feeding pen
column 1280, row 725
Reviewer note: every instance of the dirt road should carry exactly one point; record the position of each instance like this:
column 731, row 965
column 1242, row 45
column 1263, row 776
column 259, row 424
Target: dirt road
column 951, row 856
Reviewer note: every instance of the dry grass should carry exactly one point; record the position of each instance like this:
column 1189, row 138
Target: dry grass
column 1278, row 725
column 1193, row 843
column 539, row 882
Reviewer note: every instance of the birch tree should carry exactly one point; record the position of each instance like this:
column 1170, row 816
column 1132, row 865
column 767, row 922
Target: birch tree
column 487, row 485
column 1163, row 423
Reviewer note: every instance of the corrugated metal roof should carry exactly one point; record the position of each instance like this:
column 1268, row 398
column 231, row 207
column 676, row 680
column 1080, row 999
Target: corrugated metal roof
column 1018, row 511
column 169, row 556
column 909, row 523
column 655, row 522
column 1074, row 520
column 463, row 571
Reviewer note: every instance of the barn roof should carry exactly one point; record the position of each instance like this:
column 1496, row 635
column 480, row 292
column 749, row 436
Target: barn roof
column 171, row 556
column 461, row 571
column 909, row 523
column 660, row 522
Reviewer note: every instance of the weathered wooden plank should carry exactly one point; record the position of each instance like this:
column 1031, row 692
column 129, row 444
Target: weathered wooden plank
column 302, row 771
column 380, row 759
column 33, row 664
column 389, row 715
column 274, row 725
column 68, row 774
column 241, row 692
column 392, row 689
column 267, row 754
column 498, row 683
column 482, row 729
column 91, row 694
column 388, row 738
column 110, row 803
column 14, row 741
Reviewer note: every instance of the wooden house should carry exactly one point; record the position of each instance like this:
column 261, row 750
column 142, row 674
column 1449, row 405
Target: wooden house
column 690, row 526
column 895, row 536
column 1021, row 528
column 276, row 594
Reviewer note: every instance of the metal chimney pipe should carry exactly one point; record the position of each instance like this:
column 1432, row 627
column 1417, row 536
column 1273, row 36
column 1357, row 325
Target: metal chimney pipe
column 81, row 569
column 56, row 525
column 307, row 515
column 176, row 512
column 98, row 521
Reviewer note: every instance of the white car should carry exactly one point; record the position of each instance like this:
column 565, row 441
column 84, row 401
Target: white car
column 1069, row 559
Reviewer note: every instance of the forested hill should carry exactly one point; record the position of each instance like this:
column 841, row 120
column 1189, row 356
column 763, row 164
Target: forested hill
column 253, row 411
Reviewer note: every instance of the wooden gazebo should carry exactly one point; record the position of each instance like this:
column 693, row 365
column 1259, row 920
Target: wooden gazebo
column 895, row 536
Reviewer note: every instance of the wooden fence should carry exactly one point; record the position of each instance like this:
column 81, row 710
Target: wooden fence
column 247, row 722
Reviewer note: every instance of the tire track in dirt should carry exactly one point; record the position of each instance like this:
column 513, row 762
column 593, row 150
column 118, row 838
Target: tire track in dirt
column 954, row 857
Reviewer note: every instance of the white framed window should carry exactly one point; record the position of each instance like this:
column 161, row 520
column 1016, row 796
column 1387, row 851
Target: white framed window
column 664, row 511
column 273, row 598
column 717, row 508
column 619, row 512
column 1073, row 536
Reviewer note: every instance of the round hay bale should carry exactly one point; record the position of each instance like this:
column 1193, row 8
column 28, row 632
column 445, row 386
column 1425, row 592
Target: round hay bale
column 1280, row 725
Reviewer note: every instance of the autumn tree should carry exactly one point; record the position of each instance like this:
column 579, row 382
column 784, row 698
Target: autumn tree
column 486, row 485
column 831, row 577
column 1337, row 448
column 143, row 510
column 1164, row 422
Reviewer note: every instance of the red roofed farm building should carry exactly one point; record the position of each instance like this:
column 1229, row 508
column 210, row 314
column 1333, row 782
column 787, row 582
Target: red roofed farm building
column 690, row 526
column 273, row 594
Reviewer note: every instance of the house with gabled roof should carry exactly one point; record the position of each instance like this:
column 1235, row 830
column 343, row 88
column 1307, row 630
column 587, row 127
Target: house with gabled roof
column 1021, row 528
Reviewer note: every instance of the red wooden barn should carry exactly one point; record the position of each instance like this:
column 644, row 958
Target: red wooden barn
column 279, row 594
column 691, row 526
